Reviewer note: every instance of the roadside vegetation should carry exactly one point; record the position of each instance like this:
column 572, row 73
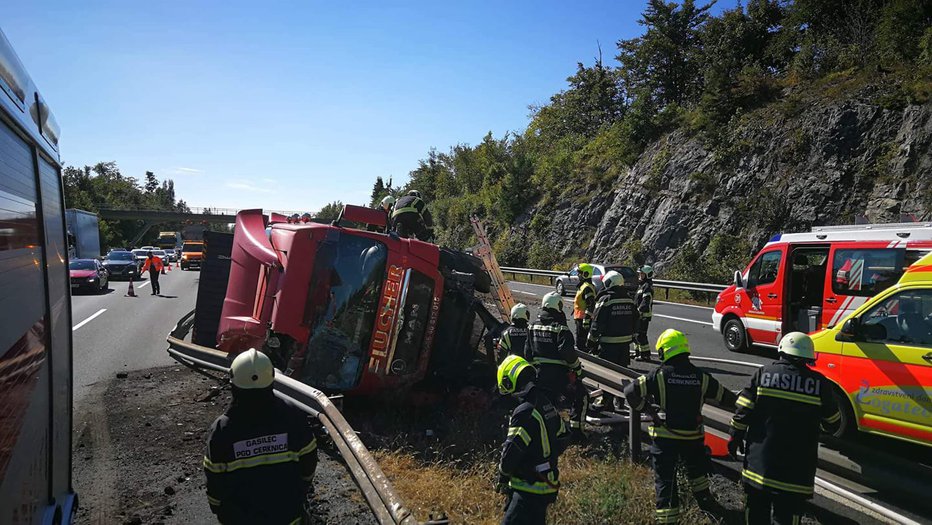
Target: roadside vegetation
column 690, row 72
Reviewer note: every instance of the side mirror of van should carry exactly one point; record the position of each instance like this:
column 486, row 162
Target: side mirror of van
column 739, row 282
column 849, row 331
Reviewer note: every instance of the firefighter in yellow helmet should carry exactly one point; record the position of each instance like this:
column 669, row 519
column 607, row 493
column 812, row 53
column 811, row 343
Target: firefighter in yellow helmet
column 583, row 304
column 528, row 471
column 261, row 453
column 679, row 389
column 777, row 423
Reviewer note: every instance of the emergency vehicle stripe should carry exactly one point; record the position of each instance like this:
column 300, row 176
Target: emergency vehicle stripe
column 662, row 386
column 779, row 485
column 544, row 438
column 744, row 402
column 833, row 418
column 616, row 338
column 791, row 396
column 737, row 425
column 521, row 433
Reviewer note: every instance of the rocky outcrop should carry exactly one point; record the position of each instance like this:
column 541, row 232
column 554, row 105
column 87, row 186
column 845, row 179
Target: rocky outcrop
column 781, row 168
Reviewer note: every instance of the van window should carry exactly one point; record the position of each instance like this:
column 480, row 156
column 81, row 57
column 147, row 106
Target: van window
column 765, row 268
column 906, row 318
column 865, row 273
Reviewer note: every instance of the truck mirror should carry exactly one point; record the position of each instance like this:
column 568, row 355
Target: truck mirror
column 849, row 331
column 739, row 282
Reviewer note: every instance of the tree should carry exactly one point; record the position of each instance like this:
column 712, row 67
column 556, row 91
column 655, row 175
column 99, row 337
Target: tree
column 665, row 63
column 152, row 183
column 330, row 212
column 378, row 192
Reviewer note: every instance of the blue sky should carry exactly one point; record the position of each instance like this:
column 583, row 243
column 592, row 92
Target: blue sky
column 294, row 104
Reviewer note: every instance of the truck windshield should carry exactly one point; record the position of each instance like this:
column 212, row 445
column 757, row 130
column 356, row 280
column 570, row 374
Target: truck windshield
column 342, row 300
column 191, row 247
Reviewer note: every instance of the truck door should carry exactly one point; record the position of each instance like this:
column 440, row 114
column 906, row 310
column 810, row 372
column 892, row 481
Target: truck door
column 765, row 288
column 858, row 271
column 888, row 369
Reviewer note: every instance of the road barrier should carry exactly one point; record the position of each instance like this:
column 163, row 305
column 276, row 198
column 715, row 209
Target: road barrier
column 381, row 497
column 712, row 289
column 847, row 470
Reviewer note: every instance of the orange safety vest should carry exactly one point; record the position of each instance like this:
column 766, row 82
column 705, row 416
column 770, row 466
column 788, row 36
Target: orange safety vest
column 584, row 300
column 157, row 265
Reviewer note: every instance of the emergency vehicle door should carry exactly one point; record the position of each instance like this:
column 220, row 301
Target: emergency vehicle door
column 888, row 366
column 858, row 271
column 765, row 288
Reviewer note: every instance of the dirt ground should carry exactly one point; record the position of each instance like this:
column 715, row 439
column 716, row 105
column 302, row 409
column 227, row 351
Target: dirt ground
column 138, row 445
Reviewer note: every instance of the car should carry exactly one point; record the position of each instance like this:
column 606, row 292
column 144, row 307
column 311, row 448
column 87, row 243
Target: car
column 148, row 248
column 88, row 274
column 172, row 254
column 879, row 359
column 569, row 282
column 141, row 255
column 121, row 263
column 161, row 255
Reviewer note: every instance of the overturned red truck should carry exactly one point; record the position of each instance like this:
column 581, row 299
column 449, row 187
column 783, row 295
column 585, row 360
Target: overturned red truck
column 349, row 310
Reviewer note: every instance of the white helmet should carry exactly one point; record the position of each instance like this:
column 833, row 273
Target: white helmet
column 252, row 370
column 415, row 193
column 388, row 202
column 520, row 311
column 613, row 279
column 797, row 344
column 552, row 300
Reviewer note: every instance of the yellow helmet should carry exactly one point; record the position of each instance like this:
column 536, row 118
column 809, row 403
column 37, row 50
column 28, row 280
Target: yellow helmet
column 252, row 370
column 509, row 371
column 585, row 270
column 671, row 343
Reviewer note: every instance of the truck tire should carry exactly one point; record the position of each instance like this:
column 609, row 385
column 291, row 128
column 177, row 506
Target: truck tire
column 734, row 335
column 465, row 263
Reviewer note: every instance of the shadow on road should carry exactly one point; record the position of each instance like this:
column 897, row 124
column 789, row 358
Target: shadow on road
column 168, row 296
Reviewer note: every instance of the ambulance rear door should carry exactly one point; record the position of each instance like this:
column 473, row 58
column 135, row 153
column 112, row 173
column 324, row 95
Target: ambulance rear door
column 858, row 271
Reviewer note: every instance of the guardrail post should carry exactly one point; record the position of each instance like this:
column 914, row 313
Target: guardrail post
column 634, row 433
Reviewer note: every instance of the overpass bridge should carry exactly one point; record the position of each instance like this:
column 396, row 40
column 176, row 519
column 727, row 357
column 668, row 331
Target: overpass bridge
column 151, row 218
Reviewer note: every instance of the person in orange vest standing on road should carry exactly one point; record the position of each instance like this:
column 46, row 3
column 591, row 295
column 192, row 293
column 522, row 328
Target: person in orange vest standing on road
column 583, row 305
column 154, row 265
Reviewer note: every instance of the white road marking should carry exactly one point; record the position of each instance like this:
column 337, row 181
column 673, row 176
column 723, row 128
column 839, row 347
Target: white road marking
column 682, row 304
column 143, row 284
column 706, row 323
column 89, row 319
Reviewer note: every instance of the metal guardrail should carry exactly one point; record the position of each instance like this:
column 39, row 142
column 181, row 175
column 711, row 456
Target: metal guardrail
column 381, row 497
column 860, row 466
column 658, row 283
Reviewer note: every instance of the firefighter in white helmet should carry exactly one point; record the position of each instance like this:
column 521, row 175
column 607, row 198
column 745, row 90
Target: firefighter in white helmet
column 514, row 338
column 777, row 424
column 261, row 453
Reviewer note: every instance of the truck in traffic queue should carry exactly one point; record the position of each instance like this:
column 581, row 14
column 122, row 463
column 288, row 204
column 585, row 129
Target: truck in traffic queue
column 808, row 281
column 35, row 328
column 879, row 358
column 353, row 311
column 169, row 240
column 83, row 234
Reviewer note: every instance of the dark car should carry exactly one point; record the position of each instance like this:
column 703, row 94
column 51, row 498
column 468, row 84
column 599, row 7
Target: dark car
column 569, row 282
column 121, row 265
column 88, row 274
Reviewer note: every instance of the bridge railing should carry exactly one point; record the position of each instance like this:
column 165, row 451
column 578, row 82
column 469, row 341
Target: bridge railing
column 198, row 210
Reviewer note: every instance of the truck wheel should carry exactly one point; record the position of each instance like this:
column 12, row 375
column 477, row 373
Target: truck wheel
column 465, row 263
column 736, row 338
column 848, row 423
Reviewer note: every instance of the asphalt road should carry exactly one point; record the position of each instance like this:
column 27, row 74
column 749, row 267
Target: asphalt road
column 694, row 321
column 114, row 333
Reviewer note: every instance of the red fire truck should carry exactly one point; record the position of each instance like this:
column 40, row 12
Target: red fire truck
column 347, row 309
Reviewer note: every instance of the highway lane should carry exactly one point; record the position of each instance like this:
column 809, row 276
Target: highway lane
column 113, row 333
column 694, row 321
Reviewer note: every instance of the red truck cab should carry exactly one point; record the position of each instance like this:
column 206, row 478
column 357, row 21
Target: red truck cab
column 345, row 309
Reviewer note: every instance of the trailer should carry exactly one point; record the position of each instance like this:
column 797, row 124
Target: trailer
column 83, row 234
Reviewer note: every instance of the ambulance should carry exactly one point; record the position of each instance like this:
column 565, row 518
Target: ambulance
column 880, row 359
column 809, row 281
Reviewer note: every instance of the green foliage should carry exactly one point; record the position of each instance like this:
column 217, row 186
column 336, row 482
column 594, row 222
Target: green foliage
column 724, row 254
column 330, row 211
column 103, row 186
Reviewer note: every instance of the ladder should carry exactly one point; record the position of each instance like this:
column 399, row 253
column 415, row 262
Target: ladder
column 500, row 290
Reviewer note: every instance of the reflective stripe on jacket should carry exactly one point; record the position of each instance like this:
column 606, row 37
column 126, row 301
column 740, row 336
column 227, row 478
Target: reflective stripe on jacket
column 644, row 299
column 584, row 301
column 536, row 438
column 614, row 318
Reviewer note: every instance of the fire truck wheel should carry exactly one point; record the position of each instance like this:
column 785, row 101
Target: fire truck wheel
column 736, row 338
column 848, row 423
column 465, row 263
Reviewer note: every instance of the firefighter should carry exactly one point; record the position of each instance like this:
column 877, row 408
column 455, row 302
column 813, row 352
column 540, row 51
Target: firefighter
column 583, row 304
column 411, row 217
column 613, row 325
column 679, row 389
column 261, row 453
column 550, row 348
column 644, row 302
column 514, row 337
column 528, row 471
column 385, row 205
column 777, row 426
column 154, row 265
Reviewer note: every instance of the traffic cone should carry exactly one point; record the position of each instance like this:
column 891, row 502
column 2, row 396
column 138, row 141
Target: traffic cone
column 169, row 267
column 129, row 291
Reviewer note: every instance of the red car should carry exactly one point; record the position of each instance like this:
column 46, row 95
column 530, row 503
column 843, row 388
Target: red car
column 88, row 274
